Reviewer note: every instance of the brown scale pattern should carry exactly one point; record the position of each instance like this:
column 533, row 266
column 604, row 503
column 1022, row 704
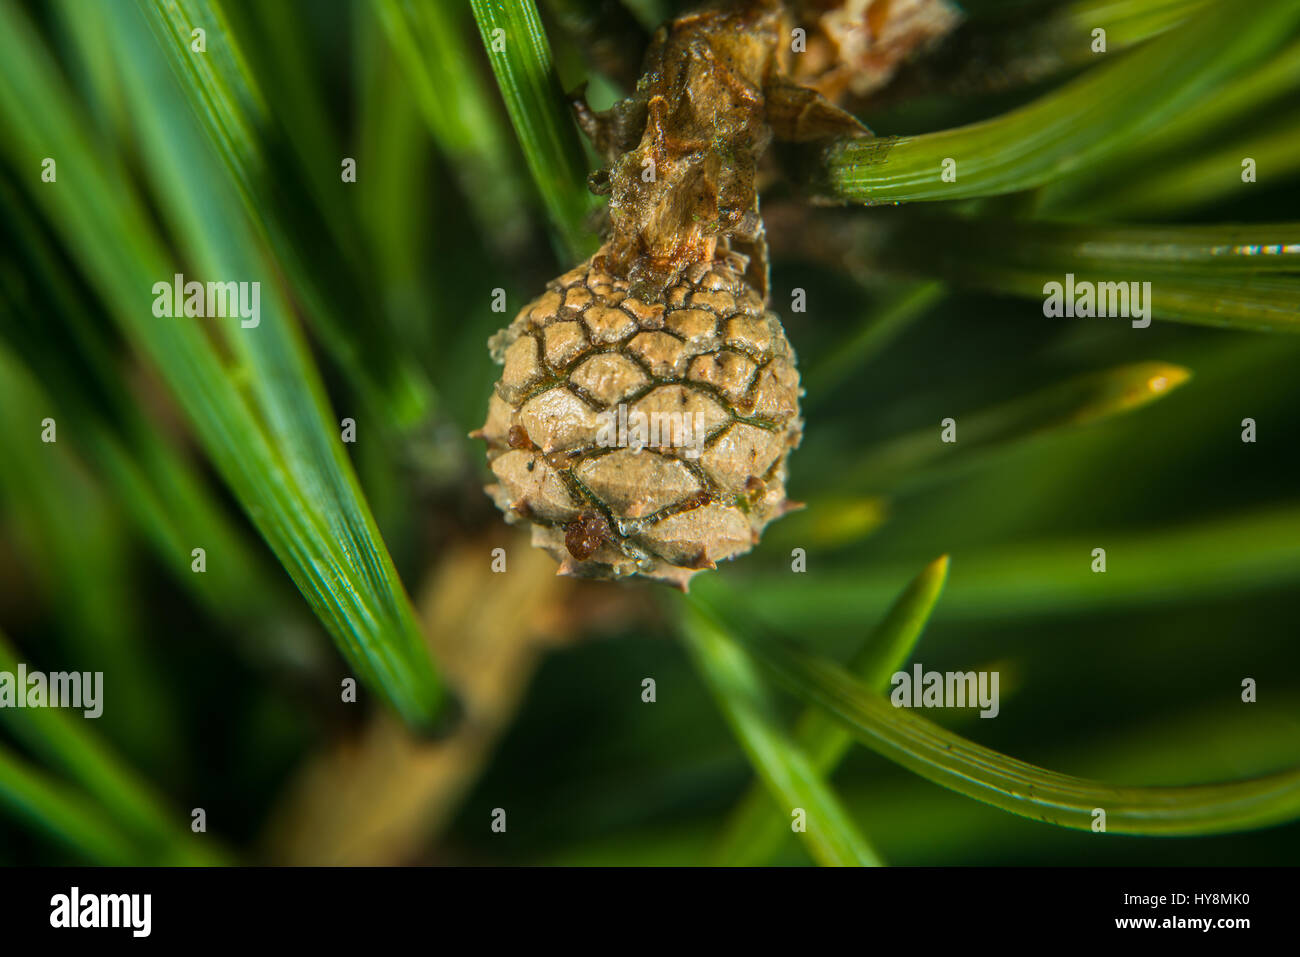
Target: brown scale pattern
column 708, row 348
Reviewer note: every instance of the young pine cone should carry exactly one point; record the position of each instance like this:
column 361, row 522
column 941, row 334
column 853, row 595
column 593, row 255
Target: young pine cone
column 644, row 439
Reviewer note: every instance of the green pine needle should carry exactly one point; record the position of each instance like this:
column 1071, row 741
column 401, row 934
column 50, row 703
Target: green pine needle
column 517, row 47
column 1015, row 786
column 754, row 834
column 791, row 776
column 260, row 412
column 1099, row 114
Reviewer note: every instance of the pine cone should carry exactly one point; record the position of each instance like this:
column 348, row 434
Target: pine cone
column 644, row 439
